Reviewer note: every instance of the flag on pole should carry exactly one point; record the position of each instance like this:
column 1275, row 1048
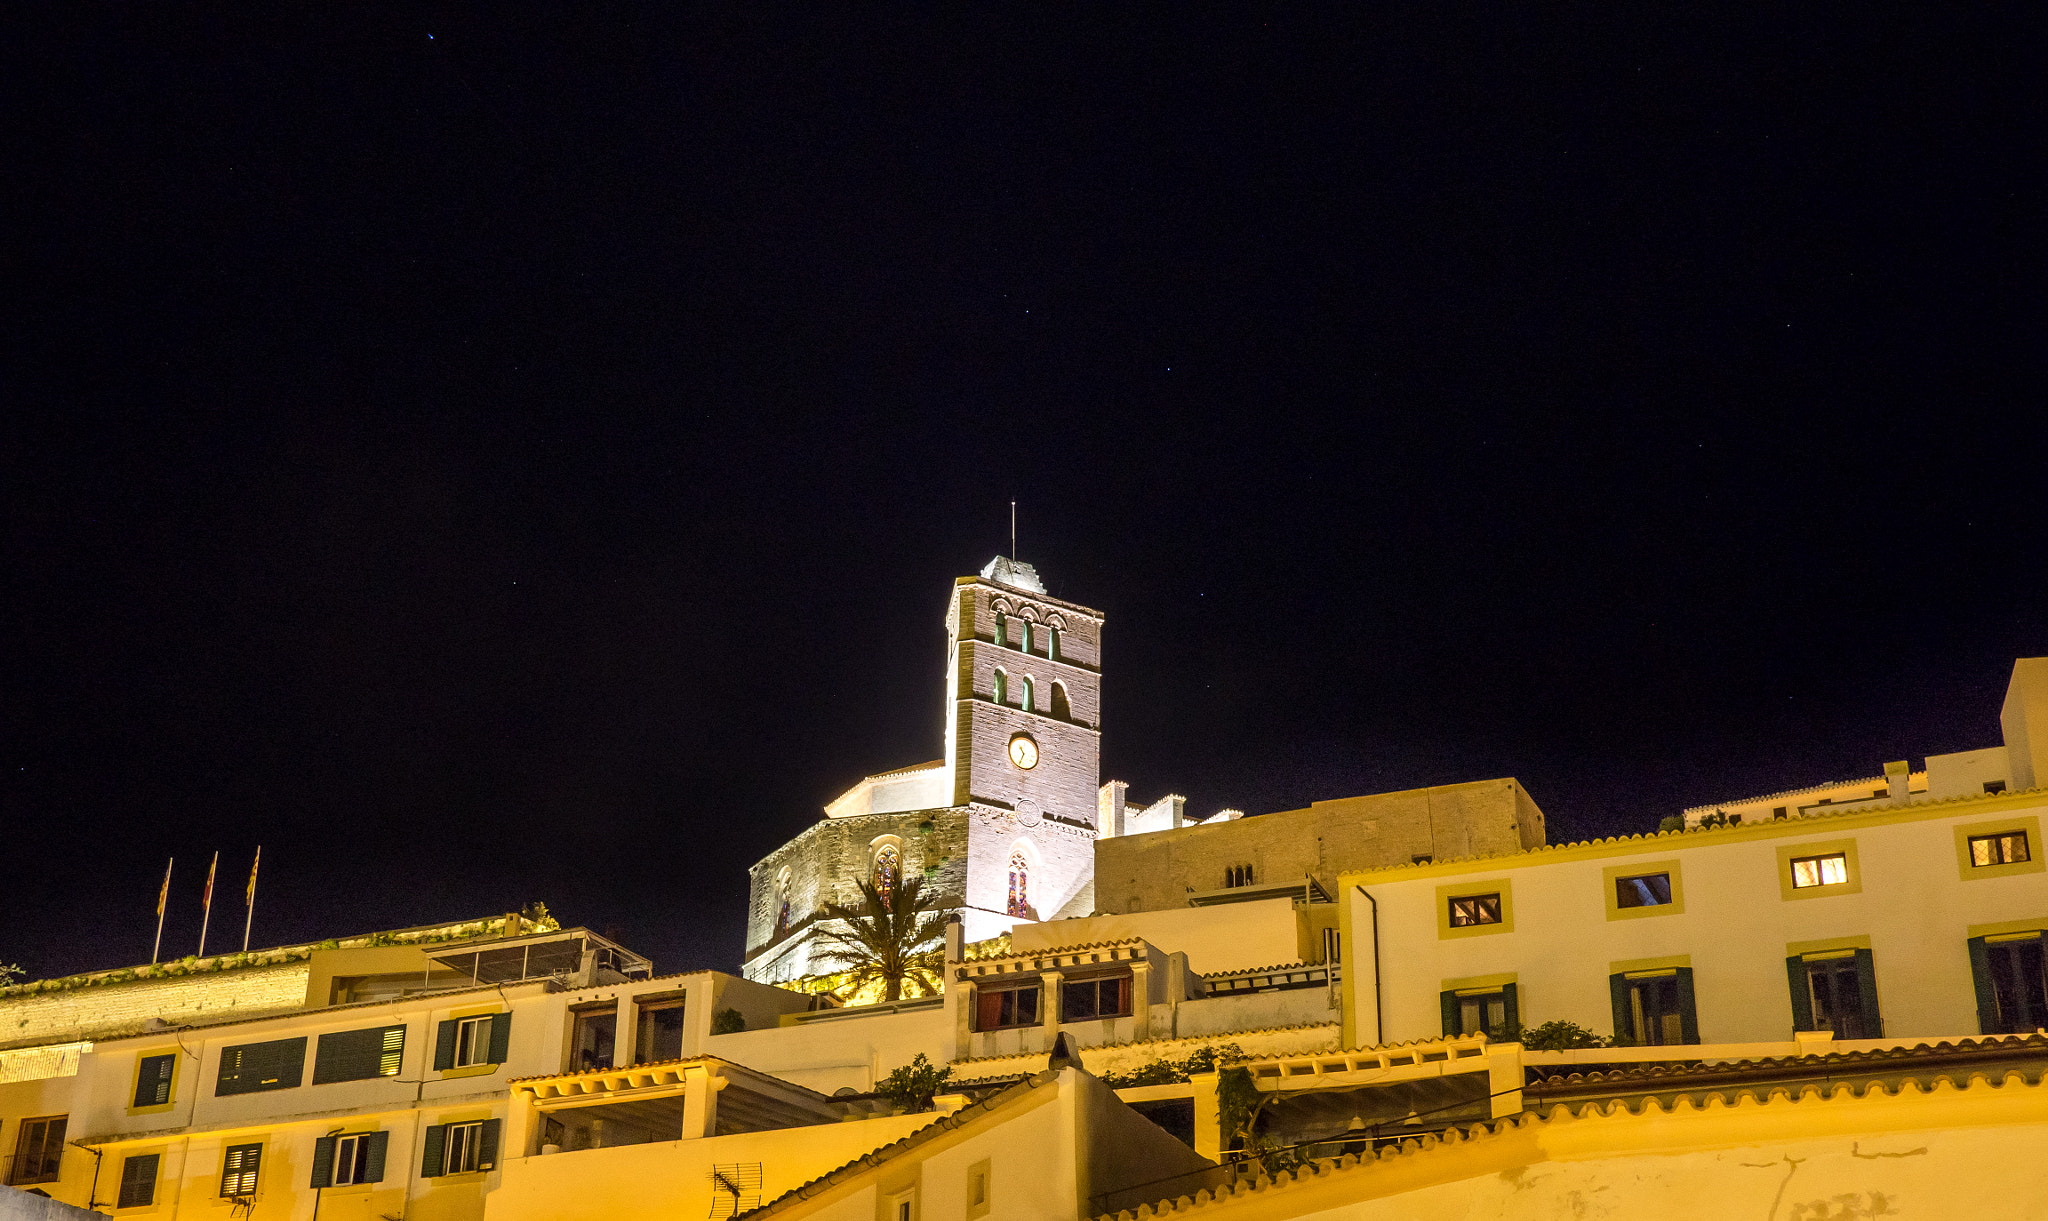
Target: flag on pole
column 207, row 918
column 163, row 900
column 250, row 903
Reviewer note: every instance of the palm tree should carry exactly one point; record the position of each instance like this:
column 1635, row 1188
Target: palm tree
column 895, row 937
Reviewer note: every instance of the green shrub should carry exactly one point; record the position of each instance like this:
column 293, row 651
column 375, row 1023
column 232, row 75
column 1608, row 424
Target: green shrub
column 728, row 1021
column 912, row 1086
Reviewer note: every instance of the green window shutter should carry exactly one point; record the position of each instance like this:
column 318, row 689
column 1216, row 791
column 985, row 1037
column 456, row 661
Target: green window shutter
column 1511, row 1010
column 501, row 1037
column 1450, row 1006
column 153, row 1080
column 373, row 1169
column 1802, row 993
column 1866, row 991
column 323, row 1162
column 487, row 1146
column 1688, row 1013
column 444, row 1047
column 1987, row 999
column 1617, row 992
column 252, row 1067
column 138, row 1181
column 437, row 1141
column 357, row 1055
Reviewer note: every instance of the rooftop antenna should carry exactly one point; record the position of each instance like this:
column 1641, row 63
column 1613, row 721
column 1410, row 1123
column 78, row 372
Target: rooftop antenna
column 1013, row 531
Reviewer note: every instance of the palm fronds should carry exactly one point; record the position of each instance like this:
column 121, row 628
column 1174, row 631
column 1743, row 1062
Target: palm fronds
column 892, row 939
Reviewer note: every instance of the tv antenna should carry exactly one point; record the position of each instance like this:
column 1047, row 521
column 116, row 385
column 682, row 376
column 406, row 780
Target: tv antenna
column 1013, row 530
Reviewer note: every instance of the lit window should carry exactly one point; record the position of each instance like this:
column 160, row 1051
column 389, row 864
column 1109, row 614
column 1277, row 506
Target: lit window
column 888, row 867
column 2005, row 848
column 238, row 1170
column 1829, row 870
column 1470, row 910
column 1052, row 643
column 1646, row 890
column 1028, row 705
column 1002, row 628
column 1002, row 687
column 1020, row 885
column 1025, row 643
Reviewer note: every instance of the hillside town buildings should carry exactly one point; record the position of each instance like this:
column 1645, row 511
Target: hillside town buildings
column 1825, row 1002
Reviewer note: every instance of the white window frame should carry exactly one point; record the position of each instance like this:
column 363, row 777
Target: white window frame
column 350, row 1149
column 1839, row 860
column 472, row 1041
column 462, row 1147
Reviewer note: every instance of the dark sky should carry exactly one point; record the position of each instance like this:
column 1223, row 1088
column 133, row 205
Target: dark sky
column 523, row 453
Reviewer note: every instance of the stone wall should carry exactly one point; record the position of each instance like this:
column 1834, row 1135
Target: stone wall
column 1155, row 871
column 110, row 1010
column 830, row 859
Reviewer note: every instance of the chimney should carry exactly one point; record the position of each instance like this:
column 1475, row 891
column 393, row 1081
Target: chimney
column 1895, row 775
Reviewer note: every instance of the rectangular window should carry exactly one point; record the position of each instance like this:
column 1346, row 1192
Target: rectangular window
column 1837, row 993
column 592, row 1045
column 1829, row 870
column 1468, row 910
column 1655, row 1010
column 38, row 1150
column 351, row 1159
column 277, row 1065
column 661, row 1032
column 1645, row 890
column 464, row 1148
column 1096, row 998
column 138, row 1181
column 359, row 1055
column 2012, row 983
column 1471, row 1011
column 2004, row 848
column 1009, row 1007
column 238, row 1170
column 153, row 1079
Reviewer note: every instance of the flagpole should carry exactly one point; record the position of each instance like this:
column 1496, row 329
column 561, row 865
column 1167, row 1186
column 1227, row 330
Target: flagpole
column 163, row 899
column 207, row 918
column 251, row 917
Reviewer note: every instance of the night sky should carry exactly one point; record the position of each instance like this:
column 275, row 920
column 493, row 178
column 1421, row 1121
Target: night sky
column 501, row 454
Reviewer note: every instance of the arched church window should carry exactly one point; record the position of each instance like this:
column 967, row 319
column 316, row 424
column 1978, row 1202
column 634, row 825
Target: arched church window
column 1002, row 628
column 1060, row 708
column 1026, row 636
column 1237, row 875
column 1052, row 643
column 1020, row 884
column 888, row 867
column 1002, row 687
column 1028, row 706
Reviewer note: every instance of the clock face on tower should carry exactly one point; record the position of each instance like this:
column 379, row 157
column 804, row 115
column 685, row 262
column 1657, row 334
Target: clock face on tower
column 1023, row 751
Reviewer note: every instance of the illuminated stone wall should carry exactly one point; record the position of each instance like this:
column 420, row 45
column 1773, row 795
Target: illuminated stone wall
column 109, row 1010
column 1156, row 870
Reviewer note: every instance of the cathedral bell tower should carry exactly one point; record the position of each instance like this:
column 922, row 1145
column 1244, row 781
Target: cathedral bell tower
column 1024, row 696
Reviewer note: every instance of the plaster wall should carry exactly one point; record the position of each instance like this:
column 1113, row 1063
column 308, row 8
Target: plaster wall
column 1156, row 870
column 1228, row 937
column 1965, row 772
column 839, row 1052
column 671, row 1179
column 1915, row 1156
column 2024, row 718
column 1736, row 924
